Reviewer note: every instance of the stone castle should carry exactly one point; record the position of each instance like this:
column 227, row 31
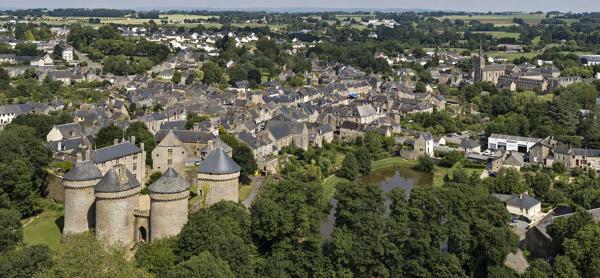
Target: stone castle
column 113, row 206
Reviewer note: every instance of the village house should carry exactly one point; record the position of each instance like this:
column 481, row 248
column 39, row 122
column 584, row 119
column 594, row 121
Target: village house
column 423, row 144
column 286, row 133
column 64, row 131
column 520, row 205
column 122, row 153
column 180, row 148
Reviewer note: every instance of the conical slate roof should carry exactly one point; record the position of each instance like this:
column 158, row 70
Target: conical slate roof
column 83, row 171
column 169, row 182
column 218, row 162
column 117, row 182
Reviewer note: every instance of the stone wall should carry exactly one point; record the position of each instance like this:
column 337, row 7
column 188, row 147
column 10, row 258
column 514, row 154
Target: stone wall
column 54, row 188
column 114, row 216
column 219, row 187
column 168, row 214
column 79, row 206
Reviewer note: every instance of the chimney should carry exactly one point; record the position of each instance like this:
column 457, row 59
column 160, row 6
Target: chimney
column 116, row 141
column 132, row 140
column 142, row 146
column 521, row 196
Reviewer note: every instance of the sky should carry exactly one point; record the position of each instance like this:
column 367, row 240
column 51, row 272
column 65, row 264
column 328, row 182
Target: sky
column 455, row 5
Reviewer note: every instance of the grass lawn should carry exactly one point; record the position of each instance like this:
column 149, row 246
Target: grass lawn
column 512, row 55
column 329, row 185
column 44, row 228
column 392, row 162
column 244, row 191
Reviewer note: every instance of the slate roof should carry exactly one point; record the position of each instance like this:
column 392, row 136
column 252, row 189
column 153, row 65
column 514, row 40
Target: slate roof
column 169, row 183
column 70, row 130
column 83, row 171
column 525, row 201
column 469, row 144
column 115, row 151
column 117, row 182
column 177, row 124
column 218, row 162
column 282, row 129
column 186, row 136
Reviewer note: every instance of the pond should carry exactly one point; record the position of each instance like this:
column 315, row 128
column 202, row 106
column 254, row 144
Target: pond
column 388, row 179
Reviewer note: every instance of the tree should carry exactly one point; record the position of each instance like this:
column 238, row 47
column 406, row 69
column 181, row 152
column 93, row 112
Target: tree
column 425, row 164
column 540, row 183
column 507, row 181
column 224, row 231
column 142, row 135
column 451, row 158
column 176, row 79
column 11, row 231
column 558, row 167
column 22, row 159
column 364, row 160
column 582, row 250
column 194, row 118
column 107, row 135
column 42, row 123
column 29, row 36
column 349, row 168
column 286, row 220
column 202, row 265
column 212, row 73
column 564, row 268
column 242, row 155
column 84, row 256
column 359, row 229
column 25, row 262
column 157, row 256
column 565, row 227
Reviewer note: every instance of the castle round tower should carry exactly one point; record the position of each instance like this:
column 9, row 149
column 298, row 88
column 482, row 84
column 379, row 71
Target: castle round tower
column 168, row 205
column 218, row 178
column 79, row 197
column 117, row 196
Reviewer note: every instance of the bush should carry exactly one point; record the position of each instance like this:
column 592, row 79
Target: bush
column 426, row 164
column 558, row 167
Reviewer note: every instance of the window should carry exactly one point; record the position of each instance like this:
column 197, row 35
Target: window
column 169, row 162
column 134, row 166
column 134, row 157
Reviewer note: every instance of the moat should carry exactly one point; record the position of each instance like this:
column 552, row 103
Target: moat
column 388, row 179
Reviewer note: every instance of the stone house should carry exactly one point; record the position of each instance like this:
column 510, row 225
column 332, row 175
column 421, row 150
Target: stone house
column 64, row 131
column 122, row 153
column 577, row 157
column 423, row 144
column 286, row 133
column 180, row 148
column 520, row 205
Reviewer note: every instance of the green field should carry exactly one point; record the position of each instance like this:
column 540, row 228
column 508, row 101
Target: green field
column 500, row 20
column 498, row 35
column 512, row 55
column 45, row 228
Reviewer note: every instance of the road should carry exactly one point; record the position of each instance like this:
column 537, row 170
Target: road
column 83, row 58
column 256, row 184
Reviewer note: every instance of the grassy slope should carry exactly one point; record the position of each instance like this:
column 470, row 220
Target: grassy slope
column 44, row 228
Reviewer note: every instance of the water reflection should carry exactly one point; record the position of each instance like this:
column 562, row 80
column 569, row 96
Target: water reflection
column 388, row 179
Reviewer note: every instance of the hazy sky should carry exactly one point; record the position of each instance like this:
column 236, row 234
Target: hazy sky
column 463, row 5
